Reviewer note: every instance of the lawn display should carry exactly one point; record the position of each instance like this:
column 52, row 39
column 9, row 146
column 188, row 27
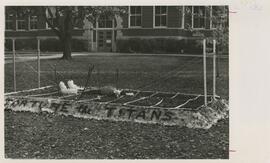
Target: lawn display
column 108, row 101
column 166, row 108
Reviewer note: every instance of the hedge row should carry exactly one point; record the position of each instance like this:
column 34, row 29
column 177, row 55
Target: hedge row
column 163, row 45
column 134, row 45
column 159, row 45
column 45, row 45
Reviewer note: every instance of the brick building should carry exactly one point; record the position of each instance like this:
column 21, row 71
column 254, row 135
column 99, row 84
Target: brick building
column 141, row 22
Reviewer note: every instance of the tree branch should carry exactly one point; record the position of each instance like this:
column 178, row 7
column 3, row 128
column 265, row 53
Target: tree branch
column 57, row 17
column 57, row 32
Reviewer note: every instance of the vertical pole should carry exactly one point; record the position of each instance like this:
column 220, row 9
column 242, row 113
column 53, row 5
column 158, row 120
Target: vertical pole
column 214, row 69
column 117, row 77
column 91, row 34
column 98, row 77
column 112, row 41
column 204, row 72
column 56, row 79
column 97, row 35
column 38, row 61
column 14, row 64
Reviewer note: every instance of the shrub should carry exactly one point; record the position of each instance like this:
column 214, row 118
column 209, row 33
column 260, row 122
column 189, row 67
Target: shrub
column 79, row 45
column 158, row 45
column 55, row 45
column 48, row 45
column 21, row 44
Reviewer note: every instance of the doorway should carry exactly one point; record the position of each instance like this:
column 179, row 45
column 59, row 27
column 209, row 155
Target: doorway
column 105, row 40
column 105, row 35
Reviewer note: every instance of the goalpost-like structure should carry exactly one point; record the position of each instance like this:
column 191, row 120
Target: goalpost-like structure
column 205, row 70
column 14, row 58
column 205, row 55
column 198, row 110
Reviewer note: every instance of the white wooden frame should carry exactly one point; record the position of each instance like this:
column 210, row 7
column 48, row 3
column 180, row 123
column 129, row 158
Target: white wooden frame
column 129, row 15
column 29, row 22
column 97, row 24
column 154, row 15
column 17, row 22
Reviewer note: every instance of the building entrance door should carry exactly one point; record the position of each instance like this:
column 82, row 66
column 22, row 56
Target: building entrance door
column 105, row 35
column 105, row 40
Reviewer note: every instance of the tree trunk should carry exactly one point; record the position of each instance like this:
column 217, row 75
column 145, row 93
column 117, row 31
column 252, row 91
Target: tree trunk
column 66, row 34
column 66, row 43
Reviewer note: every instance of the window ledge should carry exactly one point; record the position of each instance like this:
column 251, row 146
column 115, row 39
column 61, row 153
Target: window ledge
column 135, row 27
column 160, row 26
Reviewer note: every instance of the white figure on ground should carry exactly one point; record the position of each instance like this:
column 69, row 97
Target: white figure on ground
column 71, row 85
column 65, row 90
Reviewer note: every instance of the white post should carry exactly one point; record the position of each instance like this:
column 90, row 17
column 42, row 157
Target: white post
column 204, row 72
column 38, row 61
column 96, row 35
column 214, row 69
column 14, row 64
column 112, row 41
column 91, row 35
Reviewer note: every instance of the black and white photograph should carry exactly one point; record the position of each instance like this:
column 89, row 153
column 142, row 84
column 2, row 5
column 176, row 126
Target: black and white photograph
column 116, row 82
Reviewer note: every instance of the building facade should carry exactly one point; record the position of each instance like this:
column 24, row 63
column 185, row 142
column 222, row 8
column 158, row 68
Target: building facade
column 140, row 22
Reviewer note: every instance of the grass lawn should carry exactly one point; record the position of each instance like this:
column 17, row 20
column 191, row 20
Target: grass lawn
column 29, row 135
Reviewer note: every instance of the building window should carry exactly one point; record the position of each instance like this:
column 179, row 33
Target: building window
column 9, row 22
column 160, row 16
column 198, row 16
column 20, row 23
column 33, row 22
column 218, row 16
column 105, row 22
column 135, row 16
